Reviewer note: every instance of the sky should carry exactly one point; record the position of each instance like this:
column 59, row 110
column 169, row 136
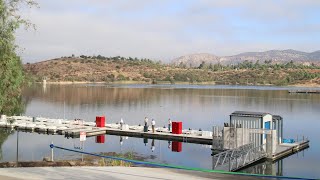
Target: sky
column 166, row 29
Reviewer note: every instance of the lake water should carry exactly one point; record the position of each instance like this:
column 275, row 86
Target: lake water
column 196, row 106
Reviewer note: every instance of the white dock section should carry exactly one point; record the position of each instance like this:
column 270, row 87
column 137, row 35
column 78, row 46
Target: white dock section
column 72, row 128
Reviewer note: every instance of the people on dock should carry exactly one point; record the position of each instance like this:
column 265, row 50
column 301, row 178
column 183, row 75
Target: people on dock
column 169, row 124
column 121, row 123
column 153, row 123
column 146, row 121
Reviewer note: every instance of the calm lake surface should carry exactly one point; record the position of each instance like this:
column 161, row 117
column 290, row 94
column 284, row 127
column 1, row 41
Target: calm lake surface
column 196, row 106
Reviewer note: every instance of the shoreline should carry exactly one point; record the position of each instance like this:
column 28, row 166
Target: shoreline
column 127, row 82
column 176, row 83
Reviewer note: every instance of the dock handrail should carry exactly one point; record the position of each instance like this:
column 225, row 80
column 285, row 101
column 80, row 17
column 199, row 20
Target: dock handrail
column 175, row 166
column 237, row 158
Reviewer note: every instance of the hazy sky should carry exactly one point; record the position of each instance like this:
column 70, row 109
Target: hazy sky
column 166, row 29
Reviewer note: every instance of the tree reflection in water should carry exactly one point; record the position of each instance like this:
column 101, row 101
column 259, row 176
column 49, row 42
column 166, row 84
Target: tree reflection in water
column 16, row 108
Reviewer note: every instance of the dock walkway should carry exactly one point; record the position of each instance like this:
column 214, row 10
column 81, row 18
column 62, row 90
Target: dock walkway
column 286, row 149
column 72, row 128
column 231, row 160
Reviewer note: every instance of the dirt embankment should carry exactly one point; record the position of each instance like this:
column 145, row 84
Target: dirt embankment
column 46, row 164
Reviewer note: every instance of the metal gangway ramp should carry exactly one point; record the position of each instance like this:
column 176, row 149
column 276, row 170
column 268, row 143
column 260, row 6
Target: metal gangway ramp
column 235, row 159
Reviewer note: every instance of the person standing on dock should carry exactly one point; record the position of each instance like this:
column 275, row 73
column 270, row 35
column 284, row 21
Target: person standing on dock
column 169, row 125
column 146, row 121
column 153, row 123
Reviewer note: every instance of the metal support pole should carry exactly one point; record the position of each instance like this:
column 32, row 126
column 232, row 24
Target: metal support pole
column 225, row 156
column 51, row 151
column 82, row 151
column 17, row 155
column 217, row 161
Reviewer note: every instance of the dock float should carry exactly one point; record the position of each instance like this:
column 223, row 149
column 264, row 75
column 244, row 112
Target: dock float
column 231, row 154
column 188, row 138
column 286, row 149
column 305, row 91
column 72, row 129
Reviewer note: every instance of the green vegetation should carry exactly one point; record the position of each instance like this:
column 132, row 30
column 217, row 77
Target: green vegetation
column 117, row 69
column 111, row 162
column 11, row 72
column 264, row 73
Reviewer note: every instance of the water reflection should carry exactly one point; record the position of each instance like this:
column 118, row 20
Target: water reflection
column 79, row 94
column 4, row 133
column 145, row 141
column 100, row 139
column 152, row 146
column 14, row 106
column 176, row 146
column 196, row 108
column 267, row 167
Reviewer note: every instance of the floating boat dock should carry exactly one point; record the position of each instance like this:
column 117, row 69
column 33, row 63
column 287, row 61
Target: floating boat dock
column 231, row 155
column 71, row 128
column 305, row 91
column 286, row 149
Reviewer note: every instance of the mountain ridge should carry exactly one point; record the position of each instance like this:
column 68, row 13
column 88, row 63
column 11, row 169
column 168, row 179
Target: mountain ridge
column 275, row 56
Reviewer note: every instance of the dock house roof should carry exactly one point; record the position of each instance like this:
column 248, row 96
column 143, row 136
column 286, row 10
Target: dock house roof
column 254, row 114
column 249, row 114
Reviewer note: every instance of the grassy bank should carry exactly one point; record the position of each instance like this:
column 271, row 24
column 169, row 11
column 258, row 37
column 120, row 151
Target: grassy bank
column 86, row 160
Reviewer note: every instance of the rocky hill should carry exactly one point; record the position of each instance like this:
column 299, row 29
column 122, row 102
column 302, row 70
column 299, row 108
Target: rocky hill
column 129, row 70
column 194, row 60
column 93, row 70
column 275, row 56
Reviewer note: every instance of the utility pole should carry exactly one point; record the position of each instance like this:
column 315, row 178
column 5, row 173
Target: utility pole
column 17, row 155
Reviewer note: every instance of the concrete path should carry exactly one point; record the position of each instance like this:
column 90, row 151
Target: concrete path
column 84, row 173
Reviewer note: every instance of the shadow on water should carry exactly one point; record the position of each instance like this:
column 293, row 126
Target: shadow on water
column 266, row 167
column 4, row 134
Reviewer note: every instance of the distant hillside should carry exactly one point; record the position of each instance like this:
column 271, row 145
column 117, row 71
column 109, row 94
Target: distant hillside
column 116, row 69
column 194, row 60
column 93, row 70
column 275, row 56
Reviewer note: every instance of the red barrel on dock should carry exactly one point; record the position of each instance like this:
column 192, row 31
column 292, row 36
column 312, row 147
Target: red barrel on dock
column 100, row 139
column 176, row 127
column 100, row 121
column 176, row 146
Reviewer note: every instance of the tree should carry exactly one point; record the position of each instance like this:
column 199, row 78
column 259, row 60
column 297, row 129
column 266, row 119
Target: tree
column 11, row 72
column 201, row 66
column 210, row 66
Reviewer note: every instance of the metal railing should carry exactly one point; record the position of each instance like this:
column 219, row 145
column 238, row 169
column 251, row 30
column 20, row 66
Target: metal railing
column 237, row 158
